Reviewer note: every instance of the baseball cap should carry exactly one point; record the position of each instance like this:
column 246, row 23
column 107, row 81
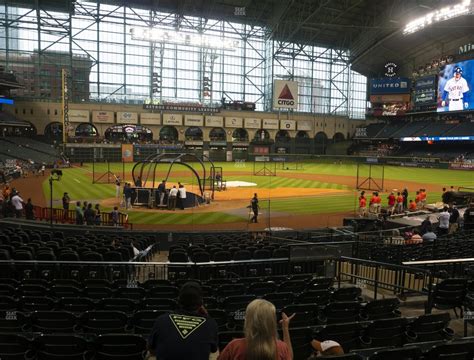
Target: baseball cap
column 458, row 70
column 328, row 347
column 190, row 295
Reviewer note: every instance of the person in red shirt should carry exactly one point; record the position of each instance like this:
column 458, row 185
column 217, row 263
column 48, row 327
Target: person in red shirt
column 418, row 200
column 378, row 203
column 422, row 198
column 399, row 206
column 362, row 205
column 391, row 203
column 412, row 206
column 261, row 336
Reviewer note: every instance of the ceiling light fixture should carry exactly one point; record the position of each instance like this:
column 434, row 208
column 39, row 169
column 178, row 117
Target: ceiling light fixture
column 445, row 13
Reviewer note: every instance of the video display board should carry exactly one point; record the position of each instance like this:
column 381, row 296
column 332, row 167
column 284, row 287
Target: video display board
column 455, row 87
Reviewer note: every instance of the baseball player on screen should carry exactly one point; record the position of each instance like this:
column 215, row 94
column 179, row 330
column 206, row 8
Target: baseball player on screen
column 456, row 90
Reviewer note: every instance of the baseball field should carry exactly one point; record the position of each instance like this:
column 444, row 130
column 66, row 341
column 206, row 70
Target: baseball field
column 317, row 195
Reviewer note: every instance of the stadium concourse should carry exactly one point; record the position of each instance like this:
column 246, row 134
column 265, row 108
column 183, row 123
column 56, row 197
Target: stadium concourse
column 236, row 180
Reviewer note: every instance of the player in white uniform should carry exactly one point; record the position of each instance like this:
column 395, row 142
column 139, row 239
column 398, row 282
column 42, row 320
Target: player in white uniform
column 456, row 89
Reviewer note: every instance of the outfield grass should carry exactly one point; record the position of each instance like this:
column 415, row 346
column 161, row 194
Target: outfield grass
column 78, row 183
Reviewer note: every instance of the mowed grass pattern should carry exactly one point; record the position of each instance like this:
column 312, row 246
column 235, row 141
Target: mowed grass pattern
column 78, row 183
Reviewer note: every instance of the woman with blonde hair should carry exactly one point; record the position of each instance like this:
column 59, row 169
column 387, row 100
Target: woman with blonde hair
column 261, row 336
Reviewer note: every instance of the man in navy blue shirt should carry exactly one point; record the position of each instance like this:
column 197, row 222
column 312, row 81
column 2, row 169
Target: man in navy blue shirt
column 188, row 333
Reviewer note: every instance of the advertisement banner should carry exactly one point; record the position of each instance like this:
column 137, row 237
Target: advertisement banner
column 127, row 152
column 103, row 117
column 426, row 82
column 173, row 119
column 214, row 121
column 304, row 125
column 455, row 87
column 394, row 98
column 285, row 94
column 252, row 123
column 79, row 116
column 150, row 119
column 193, row 120
column 461, row 166
column 233, row 122
column 383, row 86
column 126, row 117
column 287, row 124
column 270, row 124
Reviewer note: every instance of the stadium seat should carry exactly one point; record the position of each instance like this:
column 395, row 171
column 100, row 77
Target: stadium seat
column 15, row 347
column 156, row 303
column 36, row 303
column 347, row 294
column 448, row 294
column 340, row 312
column 389, row 332
column 432, row 327
column 119, row 347
column 13, row 322
column 103, row 322
column 118, row 304
column 409, row 352
column 380, row 309
column 142, row 321
column 53, row 321
column 454, row 351
column 76, row 304
column 59, row 347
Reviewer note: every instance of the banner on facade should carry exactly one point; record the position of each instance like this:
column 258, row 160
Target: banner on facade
column 285, row 94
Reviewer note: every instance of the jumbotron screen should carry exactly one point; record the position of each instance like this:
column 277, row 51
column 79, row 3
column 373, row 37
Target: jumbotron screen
column 456, row 87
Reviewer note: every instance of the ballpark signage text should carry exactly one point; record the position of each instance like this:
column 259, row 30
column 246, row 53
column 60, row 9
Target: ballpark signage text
column 390, row 69
column 389, row 86
column 285, row 94
column 177, row 107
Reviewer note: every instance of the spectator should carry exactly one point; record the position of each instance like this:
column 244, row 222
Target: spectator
column 127, row 193
column 79, row 214
column 172, row 198
column 453, row 218
column 443, row 217
column 89, row 215
column 326, row 348
column 138, row 182
column 469, row 217
column 415, row 238
column 43, row 169
column 362, row 205
column 188, row 333
column 426, row 226
column 261, row 336
column 162, row 191
column 391, row 203
column 117, row 187
column 115, row 214
column 399, row 206
column 405, row 198
column 182, row 195
column 429, row 236
column 29, row 213
column 412, row 206
column 17, row 203
column 66, row 199
column 98, row 218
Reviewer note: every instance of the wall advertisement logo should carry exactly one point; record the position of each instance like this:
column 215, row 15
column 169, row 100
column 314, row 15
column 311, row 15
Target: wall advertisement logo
column 285, row 94
column 390, row 69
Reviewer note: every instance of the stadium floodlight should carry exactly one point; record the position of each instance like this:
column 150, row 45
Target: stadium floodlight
column 445, row 13
column 181, row 38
